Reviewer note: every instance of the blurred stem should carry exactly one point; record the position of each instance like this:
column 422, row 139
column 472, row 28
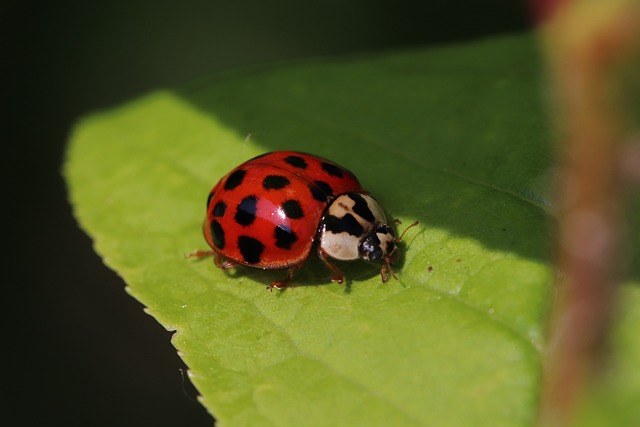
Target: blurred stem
column 586, row 42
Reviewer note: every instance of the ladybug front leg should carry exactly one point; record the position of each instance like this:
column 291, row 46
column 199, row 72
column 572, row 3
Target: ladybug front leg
column 217, row 259
column 336, row 275
column 199, row 254
column 386, row 265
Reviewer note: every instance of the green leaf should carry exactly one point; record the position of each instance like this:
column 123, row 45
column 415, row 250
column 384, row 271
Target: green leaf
column 455, row 137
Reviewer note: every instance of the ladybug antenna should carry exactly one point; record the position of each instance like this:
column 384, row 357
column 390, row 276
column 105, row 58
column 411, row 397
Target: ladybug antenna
column 405, row 230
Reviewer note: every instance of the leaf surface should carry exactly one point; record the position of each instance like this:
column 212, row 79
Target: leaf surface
column 456, row 137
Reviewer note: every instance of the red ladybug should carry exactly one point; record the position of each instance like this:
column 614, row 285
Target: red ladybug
column 270, row 211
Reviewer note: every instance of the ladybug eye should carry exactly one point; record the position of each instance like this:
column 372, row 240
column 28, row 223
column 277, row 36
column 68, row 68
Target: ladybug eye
column 369, row 247
column 379, row 244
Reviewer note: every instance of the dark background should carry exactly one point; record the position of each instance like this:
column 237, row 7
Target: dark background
column 80, row 351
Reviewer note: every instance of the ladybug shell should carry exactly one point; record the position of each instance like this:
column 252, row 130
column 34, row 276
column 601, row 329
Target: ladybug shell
column 265, row 213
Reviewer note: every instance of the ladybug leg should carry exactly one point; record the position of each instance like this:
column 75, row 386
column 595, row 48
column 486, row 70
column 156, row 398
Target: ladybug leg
column 199, row 254
column 223, row 265
column 386, row 265
column 217, row 259
column 336, row 275
column 279, row 284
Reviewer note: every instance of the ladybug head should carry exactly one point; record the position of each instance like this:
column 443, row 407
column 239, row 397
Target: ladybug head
column 379, row 244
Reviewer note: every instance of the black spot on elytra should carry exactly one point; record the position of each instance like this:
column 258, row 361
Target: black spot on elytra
column 209, row 198
column 292, row 209
column 317, row 193
column 296, row 162
column 332, row 169
column 275, row 182
column 219, row 209
column 251, row 249
column 360, row 207
column 217, row 233
column 284, row 237
column 346, row 224
column 246, row 212
column 326, row 188
column 235, row 179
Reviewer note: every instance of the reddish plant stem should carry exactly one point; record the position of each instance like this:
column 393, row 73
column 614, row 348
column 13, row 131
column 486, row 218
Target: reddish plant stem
column 542, row 10
column 583, row 61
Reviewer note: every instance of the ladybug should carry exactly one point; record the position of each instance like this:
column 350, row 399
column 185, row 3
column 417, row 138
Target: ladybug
column 270, row 211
